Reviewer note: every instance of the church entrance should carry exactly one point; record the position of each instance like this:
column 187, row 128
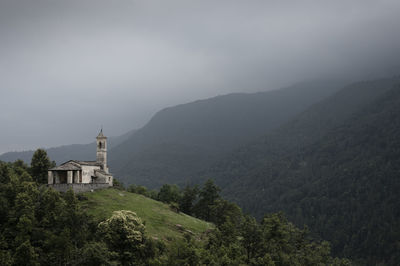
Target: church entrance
column 63, row 177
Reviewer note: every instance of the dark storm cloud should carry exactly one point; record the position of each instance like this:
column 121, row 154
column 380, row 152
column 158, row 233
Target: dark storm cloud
column 68, row 67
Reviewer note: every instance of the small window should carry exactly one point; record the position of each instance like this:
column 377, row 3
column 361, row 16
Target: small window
column 99, row 145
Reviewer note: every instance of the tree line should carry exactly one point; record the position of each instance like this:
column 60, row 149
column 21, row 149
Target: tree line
column 40, row 226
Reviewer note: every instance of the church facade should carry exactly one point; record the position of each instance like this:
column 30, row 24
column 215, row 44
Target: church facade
column 83, row 176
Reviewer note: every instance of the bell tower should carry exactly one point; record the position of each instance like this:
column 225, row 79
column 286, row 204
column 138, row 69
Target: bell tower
column 101, row 154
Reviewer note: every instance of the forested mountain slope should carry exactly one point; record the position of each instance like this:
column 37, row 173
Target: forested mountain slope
column 84, row 152
column 335, row 168
column 181, row 140
column 302, row 130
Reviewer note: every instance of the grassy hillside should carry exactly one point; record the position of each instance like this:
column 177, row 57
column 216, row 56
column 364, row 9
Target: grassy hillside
column 161, row 222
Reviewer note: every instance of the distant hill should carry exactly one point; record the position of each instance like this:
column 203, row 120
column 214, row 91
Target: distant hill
column 67, row 152
column 180, row 141
column 335, row 167
column 161, row 221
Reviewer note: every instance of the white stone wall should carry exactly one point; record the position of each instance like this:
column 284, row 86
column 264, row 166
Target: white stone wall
column 104, row 178
column 78, row 188
column 75, row 176
column 50, row 179
column 69, row 177
column 88, row 172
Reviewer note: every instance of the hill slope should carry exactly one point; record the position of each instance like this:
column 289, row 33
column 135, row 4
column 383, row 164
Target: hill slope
column 335, row 168
column 161, row 222
column 180, row 141
column 302, row 130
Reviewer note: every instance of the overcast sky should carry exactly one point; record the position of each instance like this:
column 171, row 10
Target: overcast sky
column 68, row 67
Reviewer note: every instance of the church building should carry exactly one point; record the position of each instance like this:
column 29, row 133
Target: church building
column 83, row 176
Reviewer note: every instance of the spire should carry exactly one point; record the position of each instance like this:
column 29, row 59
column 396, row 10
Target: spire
column 101, row 133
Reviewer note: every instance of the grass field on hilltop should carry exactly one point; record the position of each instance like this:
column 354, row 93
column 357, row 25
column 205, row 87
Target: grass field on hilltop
column 160, row 220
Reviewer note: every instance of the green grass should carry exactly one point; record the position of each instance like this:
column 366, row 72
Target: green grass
column 160, row 221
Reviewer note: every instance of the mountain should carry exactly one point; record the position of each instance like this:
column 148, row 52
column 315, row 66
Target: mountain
column 180, row 141
column 334, row 167
column 84, row 152
column 302, row 130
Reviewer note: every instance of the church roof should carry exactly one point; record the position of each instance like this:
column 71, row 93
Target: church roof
column 67, row 166
column 73, row 165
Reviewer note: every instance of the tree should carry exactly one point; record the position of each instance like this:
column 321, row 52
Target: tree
column 96, row 253
column 124, row 233
column 188, row 198
column 25, row 255
column 40, row 164
column 208, row 195
column 169, row 193
column 223, row 211
column 251, row 237
column 132, row 188
column 183, row 252
column 118, row 185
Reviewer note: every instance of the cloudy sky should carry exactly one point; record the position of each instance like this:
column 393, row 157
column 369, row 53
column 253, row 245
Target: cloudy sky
column 68, row 67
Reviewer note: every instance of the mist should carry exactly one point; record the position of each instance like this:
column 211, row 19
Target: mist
column 69, row 67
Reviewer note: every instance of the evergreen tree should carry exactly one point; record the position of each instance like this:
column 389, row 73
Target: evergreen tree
column 40, row 165
column 188, row 198
column 208, row 195
column 251, row 237
column 96, row 253
column 169, row 193
column 25, row 255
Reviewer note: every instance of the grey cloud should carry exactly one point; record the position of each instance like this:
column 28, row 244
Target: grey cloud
column 68, row 67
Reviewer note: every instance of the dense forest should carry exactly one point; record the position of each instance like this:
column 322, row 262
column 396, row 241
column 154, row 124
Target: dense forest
column 330, row 163
column 334, row 168
column 40, row 226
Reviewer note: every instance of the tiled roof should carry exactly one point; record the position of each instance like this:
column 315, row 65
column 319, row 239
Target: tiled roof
column 68, row 166
column 73, row 165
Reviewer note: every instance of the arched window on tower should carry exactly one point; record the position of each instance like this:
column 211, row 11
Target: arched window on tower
column 99, row 145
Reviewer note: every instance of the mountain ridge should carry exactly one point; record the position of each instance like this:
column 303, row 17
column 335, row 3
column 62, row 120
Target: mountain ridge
column 197, row 134
column 338, row 176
